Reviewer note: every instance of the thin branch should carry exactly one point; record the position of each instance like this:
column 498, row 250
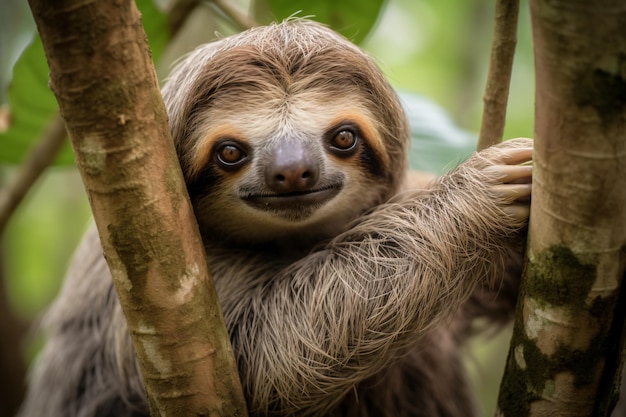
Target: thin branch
column 226, row 9
column 499, row 74
column 177, row 13
column 30, row 170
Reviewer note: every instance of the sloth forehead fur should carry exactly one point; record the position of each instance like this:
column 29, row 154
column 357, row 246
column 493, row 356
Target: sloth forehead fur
column 292, row 82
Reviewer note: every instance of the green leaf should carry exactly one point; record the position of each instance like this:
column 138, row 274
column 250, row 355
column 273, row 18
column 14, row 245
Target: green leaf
column 16, row 32
column 32, row 106
column 437, row 144
column 31, row 103
column 352, row 18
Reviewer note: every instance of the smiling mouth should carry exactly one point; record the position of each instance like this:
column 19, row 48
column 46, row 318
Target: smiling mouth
column 299, row 200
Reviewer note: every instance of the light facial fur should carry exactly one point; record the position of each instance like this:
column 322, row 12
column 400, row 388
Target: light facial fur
column 347, row 287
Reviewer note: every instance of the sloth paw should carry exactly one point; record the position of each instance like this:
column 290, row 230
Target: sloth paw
column 512, row 178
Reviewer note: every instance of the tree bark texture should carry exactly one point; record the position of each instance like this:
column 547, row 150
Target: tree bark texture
column 565, row 354
column 103, row 77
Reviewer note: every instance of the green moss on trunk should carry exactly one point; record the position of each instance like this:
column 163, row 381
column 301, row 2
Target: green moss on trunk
column 554, row 278
column 558, row 278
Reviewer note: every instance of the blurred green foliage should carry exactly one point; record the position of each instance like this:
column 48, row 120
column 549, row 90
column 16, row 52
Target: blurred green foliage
column 435, row 51
column 352, row 18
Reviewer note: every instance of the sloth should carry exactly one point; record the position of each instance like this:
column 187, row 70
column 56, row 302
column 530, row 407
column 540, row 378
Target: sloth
column 348, row 283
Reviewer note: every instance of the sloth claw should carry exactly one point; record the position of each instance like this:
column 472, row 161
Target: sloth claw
column 512, row 181
column 516, row 156
column 511, row 193
column 511, row 174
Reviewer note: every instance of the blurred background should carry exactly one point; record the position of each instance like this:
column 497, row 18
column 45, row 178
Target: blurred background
column 434, row 52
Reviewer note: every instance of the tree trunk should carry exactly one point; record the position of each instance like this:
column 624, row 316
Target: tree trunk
column 565, row 353
column 102, row 75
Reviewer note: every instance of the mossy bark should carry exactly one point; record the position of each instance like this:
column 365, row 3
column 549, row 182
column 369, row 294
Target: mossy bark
column 567, row 345
column 103, row 77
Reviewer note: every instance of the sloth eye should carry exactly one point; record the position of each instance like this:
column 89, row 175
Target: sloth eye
column 344, row 140
column 230, row 155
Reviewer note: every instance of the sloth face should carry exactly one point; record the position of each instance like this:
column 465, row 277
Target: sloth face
column 282, row 131
column 269, row 172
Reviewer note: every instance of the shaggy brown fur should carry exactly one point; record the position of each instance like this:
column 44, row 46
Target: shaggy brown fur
column 346, row 295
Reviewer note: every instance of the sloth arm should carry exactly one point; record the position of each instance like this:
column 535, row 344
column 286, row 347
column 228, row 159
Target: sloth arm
column 306, row 334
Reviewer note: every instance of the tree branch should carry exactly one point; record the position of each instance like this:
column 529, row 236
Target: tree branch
column 499, row 74
column 233, row 14
column 31, row 169
column 177, row 13
column 104, row 81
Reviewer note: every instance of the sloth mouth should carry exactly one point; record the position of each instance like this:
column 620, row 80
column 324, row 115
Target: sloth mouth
column 293, row 201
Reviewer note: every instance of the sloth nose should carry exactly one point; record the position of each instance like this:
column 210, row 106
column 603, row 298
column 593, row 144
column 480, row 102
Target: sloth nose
column 291, row 168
